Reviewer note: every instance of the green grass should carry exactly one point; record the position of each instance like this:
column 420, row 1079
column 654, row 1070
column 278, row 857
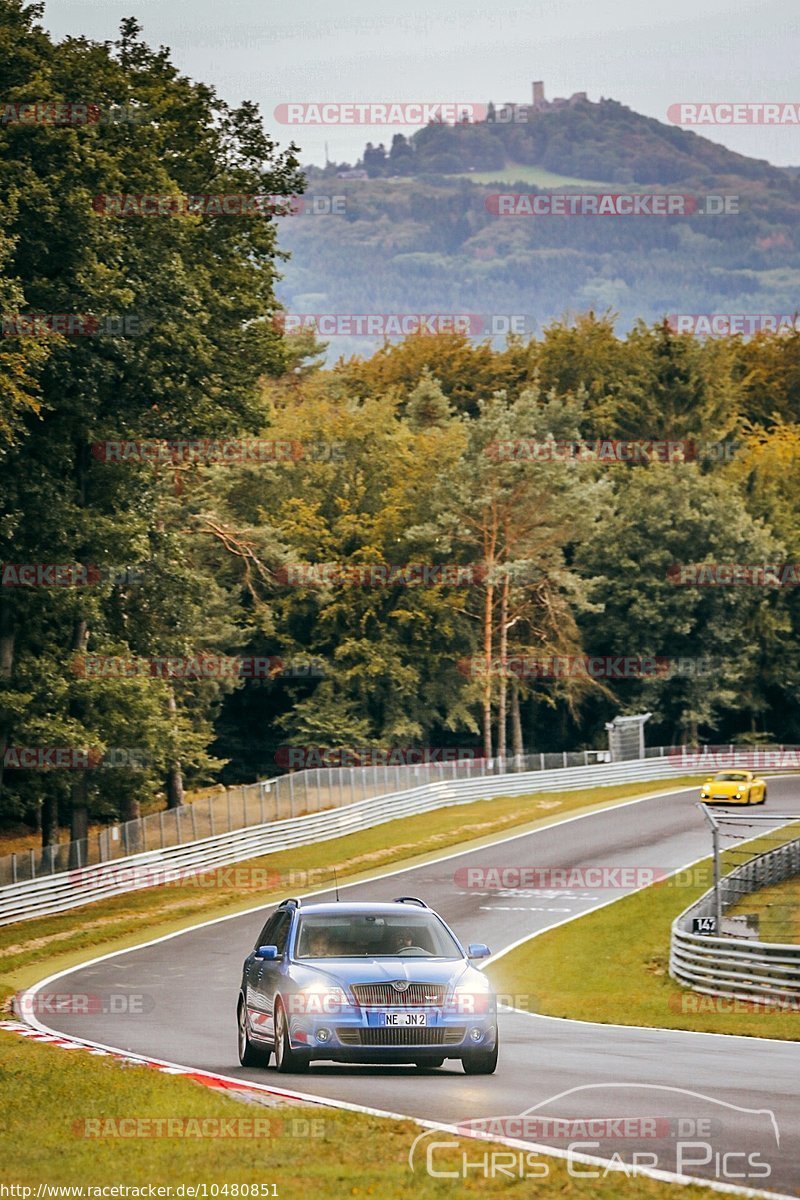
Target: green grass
column 611, row 966
column 526, row 173
column 49, row 1094
column 65, row 939
column 778, row 909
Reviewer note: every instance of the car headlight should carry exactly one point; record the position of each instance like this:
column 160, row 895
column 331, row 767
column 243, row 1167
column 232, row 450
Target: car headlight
column 469, row 998
column 318, row 999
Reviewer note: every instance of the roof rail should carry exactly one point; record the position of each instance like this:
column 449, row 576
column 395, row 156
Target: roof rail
column 291, row 902
column 409, row 900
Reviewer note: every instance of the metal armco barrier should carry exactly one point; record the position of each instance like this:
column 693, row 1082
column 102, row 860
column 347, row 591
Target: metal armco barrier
column 737, row 967
column 56, row 893
column 313, row 790
column 223, row 809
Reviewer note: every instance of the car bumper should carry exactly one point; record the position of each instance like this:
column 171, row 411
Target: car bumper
column 726, row 799
column 363, row 1036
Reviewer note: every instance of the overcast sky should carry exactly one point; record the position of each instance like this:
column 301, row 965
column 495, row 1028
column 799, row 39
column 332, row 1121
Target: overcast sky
column 648, row 56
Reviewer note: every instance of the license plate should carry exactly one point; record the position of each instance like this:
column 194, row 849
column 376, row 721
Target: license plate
column 406, row 1018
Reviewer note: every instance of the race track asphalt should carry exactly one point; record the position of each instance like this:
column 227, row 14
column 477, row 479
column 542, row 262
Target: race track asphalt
column 722, row 1089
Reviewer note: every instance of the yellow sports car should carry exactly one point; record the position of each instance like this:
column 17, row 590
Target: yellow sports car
column 734, row 787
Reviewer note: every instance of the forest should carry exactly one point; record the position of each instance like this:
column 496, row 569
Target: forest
column 219, row 545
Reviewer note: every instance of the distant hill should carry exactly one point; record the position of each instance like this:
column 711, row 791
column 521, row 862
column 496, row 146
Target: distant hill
column 419, row 236
column 584, row 140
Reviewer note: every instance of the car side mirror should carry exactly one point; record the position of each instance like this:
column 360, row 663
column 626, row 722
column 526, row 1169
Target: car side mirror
column 270, row 953
column 478, row 950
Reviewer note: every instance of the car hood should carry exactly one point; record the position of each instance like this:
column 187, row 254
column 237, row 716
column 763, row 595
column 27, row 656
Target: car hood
column 385, row 970
column 724, row 787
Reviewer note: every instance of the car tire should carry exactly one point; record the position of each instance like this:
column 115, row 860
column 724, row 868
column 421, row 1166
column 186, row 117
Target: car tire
column 763, row 799
column 287, row 1060
column 480, row 1062
column 250, row 1055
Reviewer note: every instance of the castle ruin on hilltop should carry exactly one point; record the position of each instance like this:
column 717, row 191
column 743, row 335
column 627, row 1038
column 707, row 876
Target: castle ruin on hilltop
column 540, row 104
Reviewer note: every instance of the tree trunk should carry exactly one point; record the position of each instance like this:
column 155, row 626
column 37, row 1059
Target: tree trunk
column 487, row 662
column 131, row 815
column 6, row 641
column 6, row 669
column 502, row 689
column 79, row 823
column 174, row 780
column 80, row 635
column 49, row 818
column 132, row 810
column 79, row 792
column 516, row 725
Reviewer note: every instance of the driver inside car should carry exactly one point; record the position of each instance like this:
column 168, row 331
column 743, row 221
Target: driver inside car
column 319, row 944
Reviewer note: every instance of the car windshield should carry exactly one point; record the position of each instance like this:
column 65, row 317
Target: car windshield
column 731, row 777
column 374, row 935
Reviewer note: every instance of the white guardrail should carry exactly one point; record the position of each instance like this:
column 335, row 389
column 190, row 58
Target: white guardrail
column 736, row 967
column 56, row 893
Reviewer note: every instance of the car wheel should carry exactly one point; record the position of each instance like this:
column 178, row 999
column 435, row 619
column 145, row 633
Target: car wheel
column 428, row 1064
column 249, row 1054
column 287, row 1060
column 763, row 799
column 480, row 1062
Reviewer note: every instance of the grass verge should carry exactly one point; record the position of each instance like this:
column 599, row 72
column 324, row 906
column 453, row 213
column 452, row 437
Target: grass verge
column 50, row 1095
column 528, row 173
column 778, row 909
column 31, row 948
column 611, row 966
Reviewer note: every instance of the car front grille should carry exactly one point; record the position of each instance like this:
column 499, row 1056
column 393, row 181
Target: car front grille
column 416, row 995
column 437, row 1035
